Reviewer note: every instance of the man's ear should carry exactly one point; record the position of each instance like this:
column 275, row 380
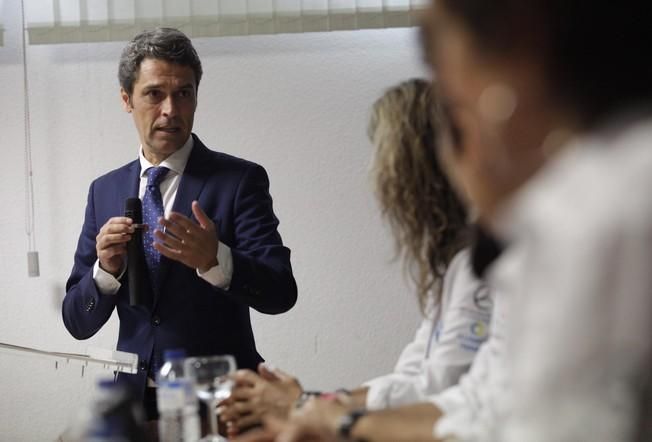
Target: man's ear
column 126, row 100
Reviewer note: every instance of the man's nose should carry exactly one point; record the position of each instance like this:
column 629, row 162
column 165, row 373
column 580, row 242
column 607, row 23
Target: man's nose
column 169, row 106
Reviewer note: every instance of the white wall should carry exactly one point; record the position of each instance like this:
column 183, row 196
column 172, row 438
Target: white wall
column 298, row 104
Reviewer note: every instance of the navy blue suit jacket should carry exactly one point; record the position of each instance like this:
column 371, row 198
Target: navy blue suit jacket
column 188, row 312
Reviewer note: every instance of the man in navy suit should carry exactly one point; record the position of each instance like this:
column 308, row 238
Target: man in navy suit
column 215, row 251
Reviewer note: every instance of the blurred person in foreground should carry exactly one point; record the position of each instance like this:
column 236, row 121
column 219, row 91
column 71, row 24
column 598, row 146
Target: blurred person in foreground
column 560, row 95
column 431, row 234
column 565, row 189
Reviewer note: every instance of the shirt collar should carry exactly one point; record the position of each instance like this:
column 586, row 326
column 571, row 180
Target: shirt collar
column 175, row 162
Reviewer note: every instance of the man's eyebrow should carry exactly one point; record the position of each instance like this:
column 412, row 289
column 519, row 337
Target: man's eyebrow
column 152, row 86
column 159, row 86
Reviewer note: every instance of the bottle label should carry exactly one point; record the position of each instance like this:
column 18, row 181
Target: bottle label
column 171, row 396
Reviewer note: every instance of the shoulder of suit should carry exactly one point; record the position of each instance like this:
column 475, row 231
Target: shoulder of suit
column 117, row 174
column 233, row 160
column 230, row 161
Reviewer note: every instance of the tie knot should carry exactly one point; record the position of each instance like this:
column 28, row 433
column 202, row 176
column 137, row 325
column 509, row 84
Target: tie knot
column 155, row 175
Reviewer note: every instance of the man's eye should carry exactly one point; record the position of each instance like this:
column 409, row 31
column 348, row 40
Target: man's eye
column 152, row 93
column 185, row 93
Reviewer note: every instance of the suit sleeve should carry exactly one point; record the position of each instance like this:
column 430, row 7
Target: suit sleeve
column 262, row 274
column 85, row 310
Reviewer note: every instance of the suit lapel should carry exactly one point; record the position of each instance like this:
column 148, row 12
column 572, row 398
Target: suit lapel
column 192, row 182
column 131, row 177
column 193, row 179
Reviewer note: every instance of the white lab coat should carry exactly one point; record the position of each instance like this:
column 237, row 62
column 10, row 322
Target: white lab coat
column 444, row 345
column 471, row 408
column 581, row 272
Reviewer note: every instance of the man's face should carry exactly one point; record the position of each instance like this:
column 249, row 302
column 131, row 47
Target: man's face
column 163, row 105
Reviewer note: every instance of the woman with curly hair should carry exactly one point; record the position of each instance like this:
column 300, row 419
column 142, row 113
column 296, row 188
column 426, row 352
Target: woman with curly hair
column 426, row 217
column 429, row 226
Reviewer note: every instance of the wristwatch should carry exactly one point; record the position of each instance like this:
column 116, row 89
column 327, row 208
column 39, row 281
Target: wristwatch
column 348, row 421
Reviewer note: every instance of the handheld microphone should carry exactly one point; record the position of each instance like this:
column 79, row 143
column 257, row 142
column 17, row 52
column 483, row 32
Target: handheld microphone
column 136, row 267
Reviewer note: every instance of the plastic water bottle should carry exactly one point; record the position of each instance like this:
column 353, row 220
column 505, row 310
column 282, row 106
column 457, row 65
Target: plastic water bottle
column 177, row 402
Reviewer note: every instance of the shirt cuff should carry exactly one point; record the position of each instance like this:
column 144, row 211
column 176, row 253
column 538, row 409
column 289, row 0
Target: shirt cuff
column 395, row 390
column 220, row 275
column 106, row 283
column 457, row 420
column 450, row 400
column 377, row 392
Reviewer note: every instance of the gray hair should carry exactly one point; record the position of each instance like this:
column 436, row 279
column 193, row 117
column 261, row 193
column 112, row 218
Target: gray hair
column 166, row 44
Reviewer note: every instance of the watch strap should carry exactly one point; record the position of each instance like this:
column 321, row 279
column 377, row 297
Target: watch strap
column 348, row 421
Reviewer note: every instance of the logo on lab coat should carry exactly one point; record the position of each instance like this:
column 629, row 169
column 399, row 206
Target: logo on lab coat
column 474, row 336
column 482, row 298
column 479, row 329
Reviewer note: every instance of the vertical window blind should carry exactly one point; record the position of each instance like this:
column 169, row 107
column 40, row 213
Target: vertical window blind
column 60, row 21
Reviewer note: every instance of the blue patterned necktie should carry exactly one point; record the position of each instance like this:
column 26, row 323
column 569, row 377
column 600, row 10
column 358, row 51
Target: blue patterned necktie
column 152, row 210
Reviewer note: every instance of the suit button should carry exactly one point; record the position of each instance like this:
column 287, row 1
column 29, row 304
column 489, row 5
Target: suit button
column 156, row 320
column 142, row 366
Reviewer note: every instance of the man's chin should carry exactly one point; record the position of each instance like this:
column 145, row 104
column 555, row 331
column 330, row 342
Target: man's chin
column 161, row 150
column 167, row 144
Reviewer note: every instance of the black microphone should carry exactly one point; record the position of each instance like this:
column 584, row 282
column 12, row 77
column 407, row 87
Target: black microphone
column 136, row 266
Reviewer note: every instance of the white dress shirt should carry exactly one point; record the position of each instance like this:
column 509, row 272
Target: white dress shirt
column 581, row 271
column 219, row 275
column 445, row 344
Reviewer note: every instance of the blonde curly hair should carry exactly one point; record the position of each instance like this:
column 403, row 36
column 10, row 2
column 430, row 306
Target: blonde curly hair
column 426, row 217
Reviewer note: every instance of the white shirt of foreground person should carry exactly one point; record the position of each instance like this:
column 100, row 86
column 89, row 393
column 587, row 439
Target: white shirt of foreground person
column 582, row 271
column 218, row 276
column 445, row 344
